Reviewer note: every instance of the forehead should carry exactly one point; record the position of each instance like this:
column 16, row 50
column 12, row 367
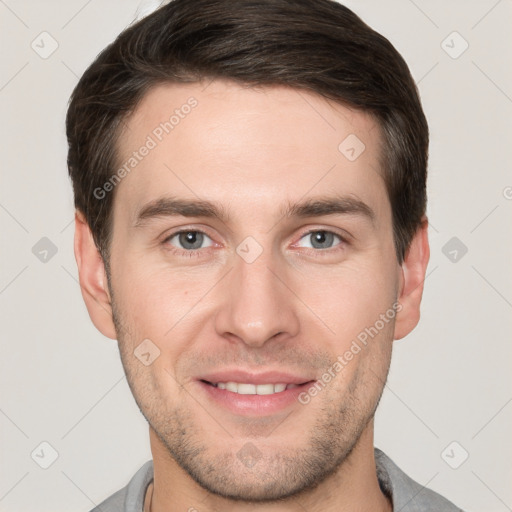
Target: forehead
column 245, row 146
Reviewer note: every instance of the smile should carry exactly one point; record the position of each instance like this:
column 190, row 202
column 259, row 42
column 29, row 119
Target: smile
column 262, row 397
column 243, row 388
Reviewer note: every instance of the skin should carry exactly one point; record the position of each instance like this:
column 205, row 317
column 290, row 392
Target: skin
column 297, row 307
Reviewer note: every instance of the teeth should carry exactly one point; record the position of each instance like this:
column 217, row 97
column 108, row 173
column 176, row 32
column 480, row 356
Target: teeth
column 232, row 386
column 246, row 389
column 254, row 389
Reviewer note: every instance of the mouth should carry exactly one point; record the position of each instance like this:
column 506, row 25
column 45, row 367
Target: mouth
column 245, row 388
column 254, row 395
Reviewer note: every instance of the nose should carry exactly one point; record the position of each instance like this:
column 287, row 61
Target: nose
column 258, row 303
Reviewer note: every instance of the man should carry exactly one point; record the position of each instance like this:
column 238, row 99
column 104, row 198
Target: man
column 250, row 186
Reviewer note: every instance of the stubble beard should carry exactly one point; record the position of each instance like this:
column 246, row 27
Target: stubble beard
column 280, row 475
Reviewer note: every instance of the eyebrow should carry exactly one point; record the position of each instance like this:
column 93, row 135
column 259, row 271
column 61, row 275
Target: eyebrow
column 312, row 207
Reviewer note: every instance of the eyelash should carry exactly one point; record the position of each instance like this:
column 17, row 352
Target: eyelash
column 197, row 252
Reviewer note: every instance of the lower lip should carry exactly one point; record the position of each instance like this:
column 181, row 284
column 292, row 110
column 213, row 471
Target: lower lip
column 254, row 405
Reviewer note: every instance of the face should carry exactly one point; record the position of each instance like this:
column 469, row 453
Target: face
column 252, row 251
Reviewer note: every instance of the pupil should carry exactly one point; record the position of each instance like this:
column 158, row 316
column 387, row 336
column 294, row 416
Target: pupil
column 322, row 237
column 192, row 238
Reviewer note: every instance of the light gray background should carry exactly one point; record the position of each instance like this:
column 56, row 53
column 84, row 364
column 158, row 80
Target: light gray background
column 62, row 382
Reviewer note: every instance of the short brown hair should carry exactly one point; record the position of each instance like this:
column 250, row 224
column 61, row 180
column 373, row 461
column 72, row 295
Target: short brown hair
column 314, row 45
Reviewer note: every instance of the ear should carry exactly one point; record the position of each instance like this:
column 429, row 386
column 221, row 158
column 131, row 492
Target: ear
column 412, row 277
column 93, row 278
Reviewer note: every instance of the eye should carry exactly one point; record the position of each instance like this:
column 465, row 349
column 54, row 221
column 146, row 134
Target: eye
column 320, row 239
column 189, row 240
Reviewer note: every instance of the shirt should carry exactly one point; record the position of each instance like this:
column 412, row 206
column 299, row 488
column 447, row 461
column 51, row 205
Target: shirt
column 405, row 494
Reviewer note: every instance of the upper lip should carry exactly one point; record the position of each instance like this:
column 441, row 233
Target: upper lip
column 269, row 377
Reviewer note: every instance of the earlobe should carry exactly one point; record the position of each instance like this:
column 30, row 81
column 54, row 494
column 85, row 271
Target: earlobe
column 413, row 272
column 92, row 278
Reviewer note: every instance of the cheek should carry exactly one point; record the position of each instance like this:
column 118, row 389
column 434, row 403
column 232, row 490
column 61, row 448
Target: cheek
column 348, row 299
column 157, row 303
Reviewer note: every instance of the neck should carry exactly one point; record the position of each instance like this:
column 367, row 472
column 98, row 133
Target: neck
column 354, row 486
